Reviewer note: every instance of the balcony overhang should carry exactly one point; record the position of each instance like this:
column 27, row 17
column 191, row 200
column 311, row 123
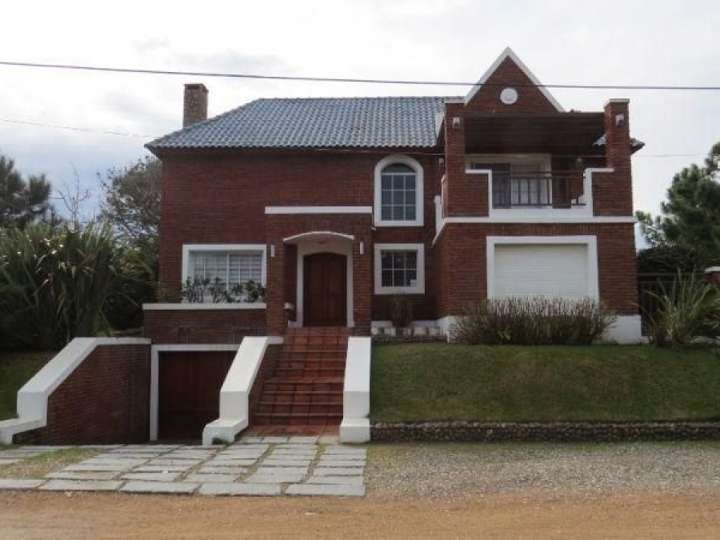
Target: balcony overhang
column 570, row 133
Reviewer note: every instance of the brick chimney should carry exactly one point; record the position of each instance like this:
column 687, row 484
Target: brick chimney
column 195, row 104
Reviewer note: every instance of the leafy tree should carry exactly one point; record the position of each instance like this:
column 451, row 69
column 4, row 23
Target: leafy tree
column 132, row 202
column 22, row 201
column 132, row 206
column 690, row 218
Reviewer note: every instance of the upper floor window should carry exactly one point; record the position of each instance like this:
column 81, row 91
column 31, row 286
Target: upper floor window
column 227, row 267
column 398, row 192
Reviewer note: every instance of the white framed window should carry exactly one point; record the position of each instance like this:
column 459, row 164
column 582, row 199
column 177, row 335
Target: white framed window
column 226, row 264
column 398, row 192
column 399, row 269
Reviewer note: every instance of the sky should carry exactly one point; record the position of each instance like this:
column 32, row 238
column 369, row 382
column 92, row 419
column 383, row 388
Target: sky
column 674, row 43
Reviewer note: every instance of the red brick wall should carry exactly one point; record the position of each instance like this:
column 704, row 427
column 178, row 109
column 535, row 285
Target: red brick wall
column 508, row 74
column 106, row 400
column 459, row 257
column 221, row 198
column 203, row 326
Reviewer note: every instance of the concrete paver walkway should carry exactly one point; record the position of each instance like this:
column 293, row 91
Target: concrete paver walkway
column 255, row 465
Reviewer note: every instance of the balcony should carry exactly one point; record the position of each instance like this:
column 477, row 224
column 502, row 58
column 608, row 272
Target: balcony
column 537, row 190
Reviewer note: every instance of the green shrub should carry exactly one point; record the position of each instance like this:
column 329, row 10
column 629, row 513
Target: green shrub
column 688, row 309
column 54, row 282
column 134, row 284
column 532, row 321
column 204, row 290
column 401, row 312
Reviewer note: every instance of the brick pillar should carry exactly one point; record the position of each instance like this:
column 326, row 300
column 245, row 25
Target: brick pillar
column 362, row 283
column 466, row 194
column 275, row 296
column 618, row 152
column 454, row 157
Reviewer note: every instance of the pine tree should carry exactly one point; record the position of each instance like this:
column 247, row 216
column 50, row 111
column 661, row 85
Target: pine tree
column 21, row 201
column 690, row 217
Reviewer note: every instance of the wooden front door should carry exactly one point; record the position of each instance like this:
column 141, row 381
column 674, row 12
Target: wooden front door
column 325, row 290
column 189, row 391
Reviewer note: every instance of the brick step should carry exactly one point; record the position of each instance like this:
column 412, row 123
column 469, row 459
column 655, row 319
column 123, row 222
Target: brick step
column 295, row 419
column 306, row 393
column 328, row 350
column 325, row 357
column 329, row 384
column 290, row 398
column 297, row 408
column 319, row 331
column 310, row 372
column 310, row 364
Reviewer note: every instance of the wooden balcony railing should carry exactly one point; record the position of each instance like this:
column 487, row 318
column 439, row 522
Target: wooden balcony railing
column 537, row 190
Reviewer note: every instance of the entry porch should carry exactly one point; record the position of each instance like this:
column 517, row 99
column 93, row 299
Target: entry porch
column 319, row 270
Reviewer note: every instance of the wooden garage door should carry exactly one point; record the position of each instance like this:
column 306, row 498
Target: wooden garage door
column 189, row 391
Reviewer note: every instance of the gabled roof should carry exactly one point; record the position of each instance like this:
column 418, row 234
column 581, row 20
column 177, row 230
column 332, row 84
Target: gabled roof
column 399, row 122
column 509, row 53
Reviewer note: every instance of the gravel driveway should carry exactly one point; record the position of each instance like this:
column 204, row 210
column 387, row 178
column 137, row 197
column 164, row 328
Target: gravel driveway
column 452, row 470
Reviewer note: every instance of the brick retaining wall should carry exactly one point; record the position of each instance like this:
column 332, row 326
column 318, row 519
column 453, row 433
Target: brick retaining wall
column 203, row 326
column 105, row 400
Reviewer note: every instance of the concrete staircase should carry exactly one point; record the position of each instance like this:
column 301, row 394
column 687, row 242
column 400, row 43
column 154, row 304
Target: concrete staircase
column 305, row 387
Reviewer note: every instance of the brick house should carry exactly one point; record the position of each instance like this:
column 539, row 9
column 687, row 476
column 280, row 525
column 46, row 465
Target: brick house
column 341, row 206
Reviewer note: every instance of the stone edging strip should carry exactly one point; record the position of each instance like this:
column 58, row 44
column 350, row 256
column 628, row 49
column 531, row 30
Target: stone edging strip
column 544, row 431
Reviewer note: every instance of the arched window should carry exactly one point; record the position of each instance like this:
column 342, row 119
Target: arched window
column 398, row 192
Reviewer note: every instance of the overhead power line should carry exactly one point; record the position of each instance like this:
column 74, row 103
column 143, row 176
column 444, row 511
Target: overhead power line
column 139, row 71
column 75, row 128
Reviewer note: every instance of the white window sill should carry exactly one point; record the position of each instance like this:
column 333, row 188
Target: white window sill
column 191, row 306
column 380, row 223
column 400, row 290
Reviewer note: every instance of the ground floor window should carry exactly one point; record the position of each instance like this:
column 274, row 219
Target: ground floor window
column 399, row 269
column 229, row 266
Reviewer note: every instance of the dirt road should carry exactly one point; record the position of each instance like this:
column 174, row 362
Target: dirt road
column 631, row 515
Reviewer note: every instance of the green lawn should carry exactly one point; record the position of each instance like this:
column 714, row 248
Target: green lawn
column 16, row 369
column 434, row 382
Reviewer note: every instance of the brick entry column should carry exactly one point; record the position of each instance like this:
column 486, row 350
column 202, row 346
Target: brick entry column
column 362, row 283
column 275, row 294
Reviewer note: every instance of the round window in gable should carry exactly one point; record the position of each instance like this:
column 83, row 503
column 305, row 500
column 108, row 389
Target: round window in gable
column 508, row 96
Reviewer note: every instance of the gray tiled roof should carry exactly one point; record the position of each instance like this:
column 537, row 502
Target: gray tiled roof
column 315, row 122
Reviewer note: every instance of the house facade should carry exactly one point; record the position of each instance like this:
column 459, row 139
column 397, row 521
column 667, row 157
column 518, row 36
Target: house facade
column 311, row 220
column 340, row 206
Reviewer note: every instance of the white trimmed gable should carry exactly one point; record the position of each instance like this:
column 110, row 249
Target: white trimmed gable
column 509, row 53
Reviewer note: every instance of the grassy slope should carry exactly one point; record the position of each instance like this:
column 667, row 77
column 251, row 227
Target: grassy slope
column 16, row 369
column 416, row 382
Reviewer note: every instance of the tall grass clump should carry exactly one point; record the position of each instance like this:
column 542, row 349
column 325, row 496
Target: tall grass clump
column 54, row 283
column 532, row 321
column 686, row 310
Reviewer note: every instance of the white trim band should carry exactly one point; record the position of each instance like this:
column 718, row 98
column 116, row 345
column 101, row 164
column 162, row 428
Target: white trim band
column 318, row 209
column 205, row 306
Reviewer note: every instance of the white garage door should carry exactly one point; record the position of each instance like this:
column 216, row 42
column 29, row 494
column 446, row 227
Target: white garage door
column 541, row 270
